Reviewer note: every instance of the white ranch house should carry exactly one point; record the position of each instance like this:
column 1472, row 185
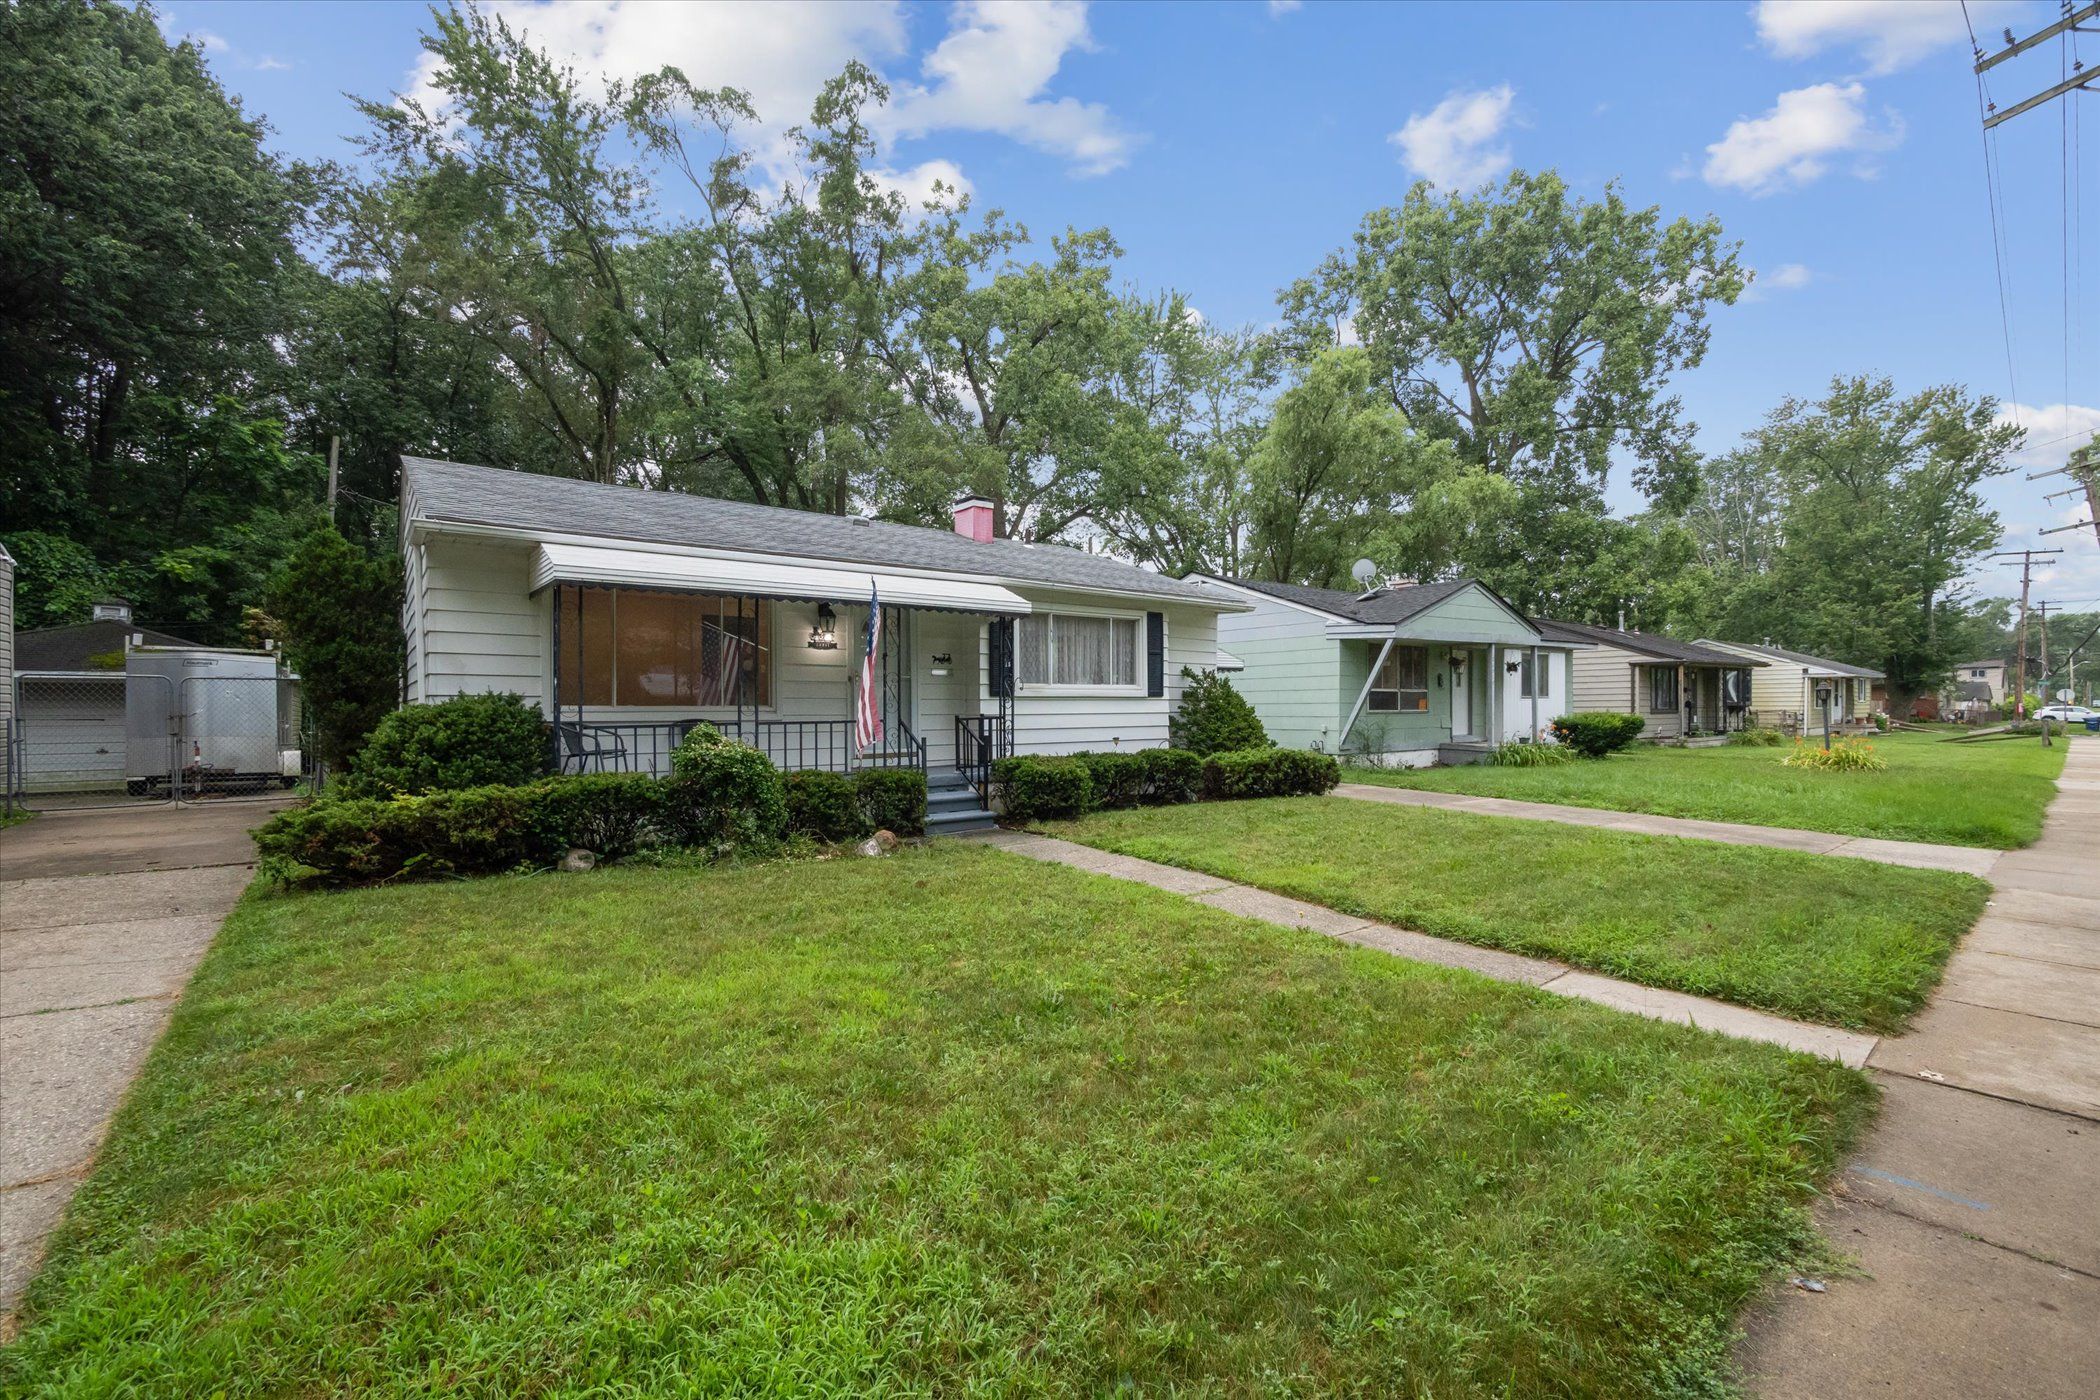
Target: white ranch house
column 626, row 615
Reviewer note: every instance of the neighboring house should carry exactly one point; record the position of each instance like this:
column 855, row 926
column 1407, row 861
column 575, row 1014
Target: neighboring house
column 1680, row 689
column 1789, row 693
column 1403, row 675
column 1982, row 684
column 626, row 615
column 69, row 693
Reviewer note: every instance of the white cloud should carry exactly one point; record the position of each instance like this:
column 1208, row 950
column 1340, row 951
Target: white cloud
column 1786, row 277
column 1452, row 144
column 1889, row 34
column 270, row 63
column 989, row 74
column 992, row 73
column 1279, row 8
column 916, row 184
column 2053, row 430
column 1796, row 141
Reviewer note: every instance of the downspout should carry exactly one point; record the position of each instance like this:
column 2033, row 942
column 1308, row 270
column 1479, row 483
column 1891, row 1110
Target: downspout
column 1341, row 743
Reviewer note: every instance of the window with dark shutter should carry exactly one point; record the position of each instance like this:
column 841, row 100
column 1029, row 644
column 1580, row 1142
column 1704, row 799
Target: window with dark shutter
column 1155, row 653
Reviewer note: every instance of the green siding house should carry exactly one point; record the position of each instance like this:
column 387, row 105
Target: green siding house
column 1408, row 675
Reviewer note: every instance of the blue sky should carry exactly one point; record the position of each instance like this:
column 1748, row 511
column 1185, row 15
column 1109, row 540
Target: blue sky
column 1230, row 147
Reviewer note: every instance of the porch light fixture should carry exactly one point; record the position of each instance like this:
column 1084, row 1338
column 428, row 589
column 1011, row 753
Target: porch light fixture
column 825, row 635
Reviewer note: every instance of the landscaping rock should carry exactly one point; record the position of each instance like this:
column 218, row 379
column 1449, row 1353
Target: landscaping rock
column 880, row 844
column 578, row 859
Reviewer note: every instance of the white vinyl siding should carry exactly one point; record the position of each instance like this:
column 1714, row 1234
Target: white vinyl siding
column 1518, row 708
column 1046, row 721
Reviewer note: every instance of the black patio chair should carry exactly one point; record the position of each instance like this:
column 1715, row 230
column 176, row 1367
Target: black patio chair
column 590, row 754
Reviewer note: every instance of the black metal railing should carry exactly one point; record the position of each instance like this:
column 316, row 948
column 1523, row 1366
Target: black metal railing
column 975, row 748
column 646, row 746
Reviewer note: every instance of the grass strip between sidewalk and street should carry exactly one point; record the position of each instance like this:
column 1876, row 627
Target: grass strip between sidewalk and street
column 950, row 1120
column 1819, row 938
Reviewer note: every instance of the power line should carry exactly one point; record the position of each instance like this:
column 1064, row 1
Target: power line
column 1991, row 201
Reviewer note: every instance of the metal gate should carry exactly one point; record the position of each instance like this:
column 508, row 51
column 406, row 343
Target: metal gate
column 108, row 738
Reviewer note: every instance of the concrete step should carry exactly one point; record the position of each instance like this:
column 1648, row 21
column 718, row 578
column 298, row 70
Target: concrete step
column 954, row 821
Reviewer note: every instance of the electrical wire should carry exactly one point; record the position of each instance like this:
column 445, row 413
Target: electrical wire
column 1991, row 185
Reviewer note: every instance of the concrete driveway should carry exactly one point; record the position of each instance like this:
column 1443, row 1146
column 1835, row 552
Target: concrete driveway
column 103, row 916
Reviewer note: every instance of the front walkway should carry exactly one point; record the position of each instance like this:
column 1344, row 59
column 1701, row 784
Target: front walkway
column 103, row 916
column 1849, row 1047
column 1974, row 1206
column 1968, row 860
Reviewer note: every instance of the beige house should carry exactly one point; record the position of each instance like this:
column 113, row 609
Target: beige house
column 1681, row 690
column 1980, row 684
column 1802, row 693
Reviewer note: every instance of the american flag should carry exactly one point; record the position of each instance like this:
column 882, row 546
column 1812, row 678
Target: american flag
column 867, row 716
column 721, row 665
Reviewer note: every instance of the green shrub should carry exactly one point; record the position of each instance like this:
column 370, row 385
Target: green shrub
column 469, row 741
column 824, row 806
column 1034, row 787
column 359, row 841
column 1844, row 756
column 725, row 796
column 1757, row 738
column 1213, row 717
column 1171, row 775
column 1117, row 779
column 893, row 799
column 1527, row 755
column 1268, row 773
column 610, row 814
column 1595, row 735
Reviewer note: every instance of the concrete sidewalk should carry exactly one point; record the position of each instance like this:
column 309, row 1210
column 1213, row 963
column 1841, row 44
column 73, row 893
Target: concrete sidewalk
column 1848, row 1047
column 1974, row 1205
column 1968, row 860
column 103, row 916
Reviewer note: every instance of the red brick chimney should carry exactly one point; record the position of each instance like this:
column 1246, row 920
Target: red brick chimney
column 973, row 518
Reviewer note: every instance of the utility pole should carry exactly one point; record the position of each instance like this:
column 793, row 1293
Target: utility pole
column 2083, row 467
column 331, row 478
column 2072, row 22
column 2026, row 566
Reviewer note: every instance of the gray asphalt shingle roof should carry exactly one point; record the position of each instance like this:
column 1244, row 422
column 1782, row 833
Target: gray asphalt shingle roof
column 1387, row 607
column 1802, row 658
column 1646, row 643
column 526, row 501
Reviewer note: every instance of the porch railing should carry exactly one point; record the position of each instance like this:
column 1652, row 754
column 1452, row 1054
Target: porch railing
column 645, row 746
column 979, row 741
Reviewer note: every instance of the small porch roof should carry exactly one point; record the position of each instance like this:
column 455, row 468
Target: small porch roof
column 637, row 568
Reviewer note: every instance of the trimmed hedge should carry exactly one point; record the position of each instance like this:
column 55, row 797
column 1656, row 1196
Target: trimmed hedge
column 1268, row 773
column 1595, row 735
column 1035, row 787
column 363, row 840
column 1171, row 776
column 469, row 741
column 1118, row 779
column 892, row 799
column 824, row 806
column 725, row 796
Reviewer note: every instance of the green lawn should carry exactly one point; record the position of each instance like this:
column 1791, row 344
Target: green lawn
column 1986, row 794
column 945, row 1122
column 1844, row 942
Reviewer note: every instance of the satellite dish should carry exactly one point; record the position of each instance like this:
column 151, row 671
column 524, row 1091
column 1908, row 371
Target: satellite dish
column 1363, row 571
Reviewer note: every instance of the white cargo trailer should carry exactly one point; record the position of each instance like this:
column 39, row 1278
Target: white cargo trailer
column 218, row 717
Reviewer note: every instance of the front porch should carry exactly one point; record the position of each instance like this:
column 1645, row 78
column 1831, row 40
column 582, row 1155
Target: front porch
column 634, row 669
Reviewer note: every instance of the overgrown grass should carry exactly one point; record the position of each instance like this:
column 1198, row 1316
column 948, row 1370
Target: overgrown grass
column 1987, row 794
column 1844, row 942
column 945, row 1122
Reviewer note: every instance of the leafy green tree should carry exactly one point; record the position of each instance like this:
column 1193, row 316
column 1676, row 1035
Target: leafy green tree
column 1535, row 330
column 338, row 612
column 1884, row 518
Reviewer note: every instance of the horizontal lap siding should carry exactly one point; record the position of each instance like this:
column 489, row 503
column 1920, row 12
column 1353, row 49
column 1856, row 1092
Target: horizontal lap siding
column 1516, row 707
column 1048, row 723
column 1293, row 671
column 479, row 628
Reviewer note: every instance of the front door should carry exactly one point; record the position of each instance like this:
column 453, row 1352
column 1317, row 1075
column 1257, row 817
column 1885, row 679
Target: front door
column 944, row 672
column 1462, row 725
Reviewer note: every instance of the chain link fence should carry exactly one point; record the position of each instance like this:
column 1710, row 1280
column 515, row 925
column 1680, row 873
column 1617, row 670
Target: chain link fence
column 102, row 739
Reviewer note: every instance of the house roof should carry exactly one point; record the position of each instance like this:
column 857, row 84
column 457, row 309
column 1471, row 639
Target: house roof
column 1385, row 607
column 83, row 646
column 1646, row 643
column 1972, row 665
column 1802, row 658
column 532, row 504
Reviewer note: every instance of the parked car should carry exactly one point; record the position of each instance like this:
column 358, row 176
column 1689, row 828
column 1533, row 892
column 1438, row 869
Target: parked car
column 2067, row 714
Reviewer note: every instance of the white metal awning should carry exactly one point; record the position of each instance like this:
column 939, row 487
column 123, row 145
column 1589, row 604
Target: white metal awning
column 837, row 583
